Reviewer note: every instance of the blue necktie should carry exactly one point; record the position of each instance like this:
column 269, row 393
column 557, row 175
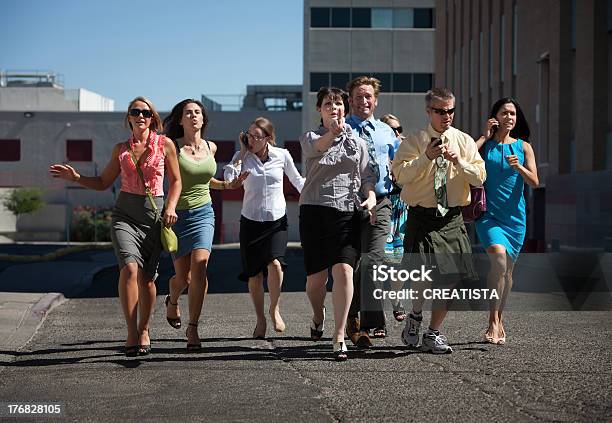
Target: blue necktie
column 365, row 134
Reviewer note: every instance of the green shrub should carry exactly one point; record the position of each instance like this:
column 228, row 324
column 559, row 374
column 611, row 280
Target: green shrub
column 24, row 200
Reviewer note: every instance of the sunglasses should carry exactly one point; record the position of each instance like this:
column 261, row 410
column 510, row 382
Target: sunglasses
column 397, row 129
column 146, row 113
column 443, row 112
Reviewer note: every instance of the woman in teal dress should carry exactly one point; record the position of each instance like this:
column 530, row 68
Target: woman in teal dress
column 510, row 163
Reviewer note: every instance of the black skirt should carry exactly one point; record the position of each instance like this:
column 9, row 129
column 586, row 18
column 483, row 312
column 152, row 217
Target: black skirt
column 329, row 236
column 260, row 244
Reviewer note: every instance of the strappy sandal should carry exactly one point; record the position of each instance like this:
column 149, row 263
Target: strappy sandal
column 175, row 322
column 132, row 350
column 316, row 330
column 379, row 332
column 340, row 351
column 145, row 349
column 399, row 313
column 193, row 346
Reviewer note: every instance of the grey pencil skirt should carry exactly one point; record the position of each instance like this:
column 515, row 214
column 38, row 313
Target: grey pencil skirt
column 135, row 233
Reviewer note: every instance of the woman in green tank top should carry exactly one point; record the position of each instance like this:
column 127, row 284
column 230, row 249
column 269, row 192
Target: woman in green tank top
column 196, row 219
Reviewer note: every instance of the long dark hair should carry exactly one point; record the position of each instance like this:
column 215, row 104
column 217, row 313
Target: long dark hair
column 172, row 123
column 521, row 128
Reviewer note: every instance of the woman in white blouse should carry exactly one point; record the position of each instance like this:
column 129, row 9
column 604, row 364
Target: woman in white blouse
column 263, row 224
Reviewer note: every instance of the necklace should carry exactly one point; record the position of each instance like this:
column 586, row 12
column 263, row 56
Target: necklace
column 195, row 149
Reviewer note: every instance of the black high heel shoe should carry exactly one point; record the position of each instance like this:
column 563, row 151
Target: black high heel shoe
column 145, row 349
column 132, row 350
column 193, row 346
column 175, row 322
column 316, row 330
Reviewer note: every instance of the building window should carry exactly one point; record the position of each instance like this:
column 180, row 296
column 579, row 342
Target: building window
column 362, row 17
column 423, row 18
column 319, row 17
column 402, row 82
column 225, row 151
column 295, row 150
column 340, row 79
column 514, row 35
column 78, row 150
column 341, row 17
column 422, row 82
column 385, row 81
column 10, row 150
column 502, row 39
column 318, row 80
column 403, row 18
column 382, row 18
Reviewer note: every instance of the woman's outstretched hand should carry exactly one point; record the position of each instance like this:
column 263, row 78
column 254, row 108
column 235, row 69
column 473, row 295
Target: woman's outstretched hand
column 65, row 171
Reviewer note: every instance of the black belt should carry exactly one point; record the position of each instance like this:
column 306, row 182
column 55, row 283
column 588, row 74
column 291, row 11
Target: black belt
column 433, row 211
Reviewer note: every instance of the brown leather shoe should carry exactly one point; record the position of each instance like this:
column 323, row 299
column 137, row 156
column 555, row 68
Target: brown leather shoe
column 352, row 329
column 363, row 340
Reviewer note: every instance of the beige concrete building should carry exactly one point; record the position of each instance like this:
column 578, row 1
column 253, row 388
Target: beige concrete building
column 392, row 40
column 554, row 57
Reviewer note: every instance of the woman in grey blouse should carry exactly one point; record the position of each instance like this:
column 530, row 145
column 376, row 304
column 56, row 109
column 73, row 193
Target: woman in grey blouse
column 337, row 169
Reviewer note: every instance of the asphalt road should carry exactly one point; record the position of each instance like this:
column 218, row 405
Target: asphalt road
column 556, row 366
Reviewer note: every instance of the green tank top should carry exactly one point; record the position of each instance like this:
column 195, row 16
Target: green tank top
column 195, row 178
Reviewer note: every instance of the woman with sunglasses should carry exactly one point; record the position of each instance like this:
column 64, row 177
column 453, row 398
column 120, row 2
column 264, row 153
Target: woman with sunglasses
column 134, row 232
column 196, row 219
column 510, row 163
column 337, row 172
column 399, row 213
column 263, row 220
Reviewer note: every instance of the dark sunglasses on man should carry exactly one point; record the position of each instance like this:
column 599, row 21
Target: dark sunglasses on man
column 443, row 112
column 146, row 113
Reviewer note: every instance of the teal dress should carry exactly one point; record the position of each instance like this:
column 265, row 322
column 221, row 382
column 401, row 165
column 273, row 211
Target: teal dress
column 504, row 222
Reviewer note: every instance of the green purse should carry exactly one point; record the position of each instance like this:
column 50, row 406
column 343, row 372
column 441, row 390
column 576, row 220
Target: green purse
column 169, row 239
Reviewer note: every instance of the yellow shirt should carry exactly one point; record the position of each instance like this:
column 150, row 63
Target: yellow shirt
column 415, row 172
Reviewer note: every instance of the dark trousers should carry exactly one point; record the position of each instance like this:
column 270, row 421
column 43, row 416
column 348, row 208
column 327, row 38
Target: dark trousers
column 373, row 240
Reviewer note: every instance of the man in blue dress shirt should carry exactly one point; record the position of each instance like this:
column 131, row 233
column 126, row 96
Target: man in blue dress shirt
column 366, row 313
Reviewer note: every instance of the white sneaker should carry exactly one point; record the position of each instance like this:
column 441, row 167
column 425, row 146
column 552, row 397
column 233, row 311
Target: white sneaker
column 410, row 334
column 437, row 344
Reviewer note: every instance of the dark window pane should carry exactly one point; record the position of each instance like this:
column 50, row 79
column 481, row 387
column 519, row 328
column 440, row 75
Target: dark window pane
column 340, row 80
column 318, row 80
column 362, row 17
column 319, row 17
column 402, row 82
column 385, row 81
column 423, row 18
column 10, row 150
column 422, row 82
column 78, row 150
column 341, row 17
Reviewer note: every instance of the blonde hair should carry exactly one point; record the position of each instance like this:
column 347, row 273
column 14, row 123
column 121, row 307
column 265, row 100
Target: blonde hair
column 363, row 80
column 389, row 117
column 156, row 123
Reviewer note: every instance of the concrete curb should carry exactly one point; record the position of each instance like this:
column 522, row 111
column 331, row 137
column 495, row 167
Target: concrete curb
column 33, row 318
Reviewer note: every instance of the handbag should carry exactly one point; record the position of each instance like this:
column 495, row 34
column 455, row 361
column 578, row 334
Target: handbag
column 477, row 206
column 169, row 239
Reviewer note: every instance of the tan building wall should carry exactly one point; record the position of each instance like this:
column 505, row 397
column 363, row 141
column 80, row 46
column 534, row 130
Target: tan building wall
column 553, row 56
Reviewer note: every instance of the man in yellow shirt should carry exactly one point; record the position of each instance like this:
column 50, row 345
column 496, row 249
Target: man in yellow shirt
column 436, row 167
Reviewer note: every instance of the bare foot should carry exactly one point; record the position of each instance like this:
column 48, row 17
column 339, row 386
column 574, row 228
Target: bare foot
column 260, row 330
column 277, row 320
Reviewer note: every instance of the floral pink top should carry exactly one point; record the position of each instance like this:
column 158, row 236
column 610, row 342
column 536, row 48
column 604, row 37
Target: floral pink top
column 152, row 167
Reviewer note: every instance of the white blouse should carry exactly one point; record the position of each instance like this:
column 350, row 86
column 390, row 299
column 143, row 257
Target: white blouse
column 264, row 200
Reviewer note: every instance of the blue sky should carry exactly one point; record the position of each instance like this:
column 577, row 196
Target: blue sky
column 164, row 50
